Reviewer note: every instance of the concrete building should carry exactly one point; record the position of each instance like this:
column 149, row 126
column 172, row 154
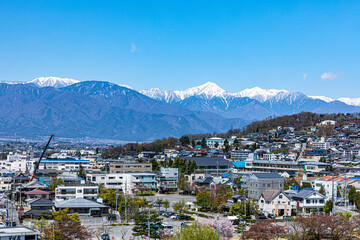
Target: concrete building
column 321, row 144
column 124, row 182
column 167, row 182
column 130, row 167
column 212, row 164
column 64, row 164
column 256, row 183
column 86, row 190
column 240, row 155
column 218, row 142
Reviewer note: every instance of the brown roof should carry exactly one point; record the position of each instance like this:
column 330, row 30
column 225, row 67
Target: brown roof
column 270, row 193
column 37, row 192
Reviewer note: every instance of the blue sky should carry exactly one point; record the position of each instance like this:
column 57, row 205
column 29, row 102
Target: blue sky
column 180, row 44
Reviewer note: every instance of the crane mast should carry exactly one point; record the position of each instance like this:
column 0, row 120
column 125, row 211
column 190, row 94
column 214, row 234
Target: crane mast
column 37, row 164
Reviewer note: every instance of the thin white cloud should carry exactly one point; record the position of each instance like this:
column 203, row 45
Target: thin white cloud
column 329, row 76
column 305, row 76
column 133, row 47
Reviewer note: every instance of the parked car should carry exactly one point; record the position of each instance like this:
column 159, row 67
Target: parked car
column 181, row 217
column 261, row 217
column 287, row 217
column 271, row 216
column 173, row 216
column 169, row 214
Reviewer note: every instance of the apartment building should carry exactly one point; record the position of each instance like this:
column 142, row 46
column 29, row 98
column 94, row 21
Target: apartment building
column 86, row 190
column 65, row 164
column 256, row 183
column 167, row 182
column 241, row 155
column 321, row 144
column 130, row 167
column 124, row 182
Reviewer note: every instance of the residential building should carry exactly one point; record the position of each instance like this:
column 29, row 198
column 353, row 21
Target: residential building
column 167, row 182
column 64, row 164
column 124, row 182
column 321, row 144
column 241, row 155
column 212, row 164
column 274, row 201
column 308, row 200
column 86, row 190
column 218, row 142
column 130, row 167
column 256, row 183
column 82, row 206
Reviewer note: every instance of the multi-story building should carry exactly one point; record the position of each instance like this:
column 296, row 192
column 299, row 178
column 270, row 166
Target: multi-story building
column 83, row 189
column 124, row 182
column 321, row 144
column 65, row 164
column 256, row 183
column 130, row 167
column 218, row 142
column 274, row 201
column 167, row 182
column 212, row 164
column 241, row 155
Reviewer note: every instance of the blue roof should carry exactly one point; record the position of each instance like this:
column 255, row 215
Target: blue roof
column 357, row 178
column 225, row 175
column 239, row 164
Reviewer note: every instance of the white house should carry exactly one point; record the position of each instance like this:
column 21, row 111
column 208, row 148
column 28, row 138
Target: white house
column 308, row 200
column 274, row 201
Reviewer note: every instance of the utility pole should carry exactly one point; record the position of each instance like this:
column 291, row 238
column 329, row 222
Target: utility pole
column 332, row 195
column 217, row 221
column 116, row 208
column 149, row 225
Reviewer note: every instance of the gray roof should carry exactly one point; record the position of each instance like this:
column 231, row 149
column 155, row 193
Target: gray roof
column 306, row 193
column 210, row 161
column 79, row 203
column 42, row 202
column 267, row 175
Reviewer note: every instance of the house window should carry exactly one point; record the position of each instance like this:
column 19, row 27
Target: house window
column 308, row 201
column 280, row 196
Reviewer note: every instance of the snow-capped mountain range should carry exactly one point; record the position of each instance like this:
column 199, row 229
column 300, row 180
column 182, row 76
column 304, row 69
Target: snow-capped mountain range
column 98, row 109
column 210, row 90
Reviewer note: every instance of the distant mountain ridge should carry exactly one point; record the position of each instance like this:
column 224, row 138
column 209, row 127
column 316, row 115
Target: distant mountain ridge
column 98, row 109
column 250, row 104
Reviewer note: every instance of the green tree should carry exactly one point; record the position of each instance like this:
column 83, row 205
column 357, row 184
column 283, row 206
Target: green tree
column 184, row 140
column 203, row 199
column 81, row 172
column 322, row 190
column 155, row 164
column 141, row 227
column 351, row 194
column 179, row 206
column 328, row 206
column 226, row 146
column 55, row 182
column 195, row 232
column 166, row 204
column 203, row 142
column 65, row 226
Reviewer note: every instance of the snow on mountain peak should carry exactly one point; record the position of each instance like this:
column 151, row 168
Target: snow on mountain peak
column 259, row 93
column 209, row 90
column 326, row 99
column 350, row 101
column 53, row 82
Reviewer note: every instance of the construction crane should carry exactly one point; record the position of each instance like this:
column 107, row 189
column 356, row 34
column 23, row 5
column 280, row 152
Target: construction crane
column 37, row 164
